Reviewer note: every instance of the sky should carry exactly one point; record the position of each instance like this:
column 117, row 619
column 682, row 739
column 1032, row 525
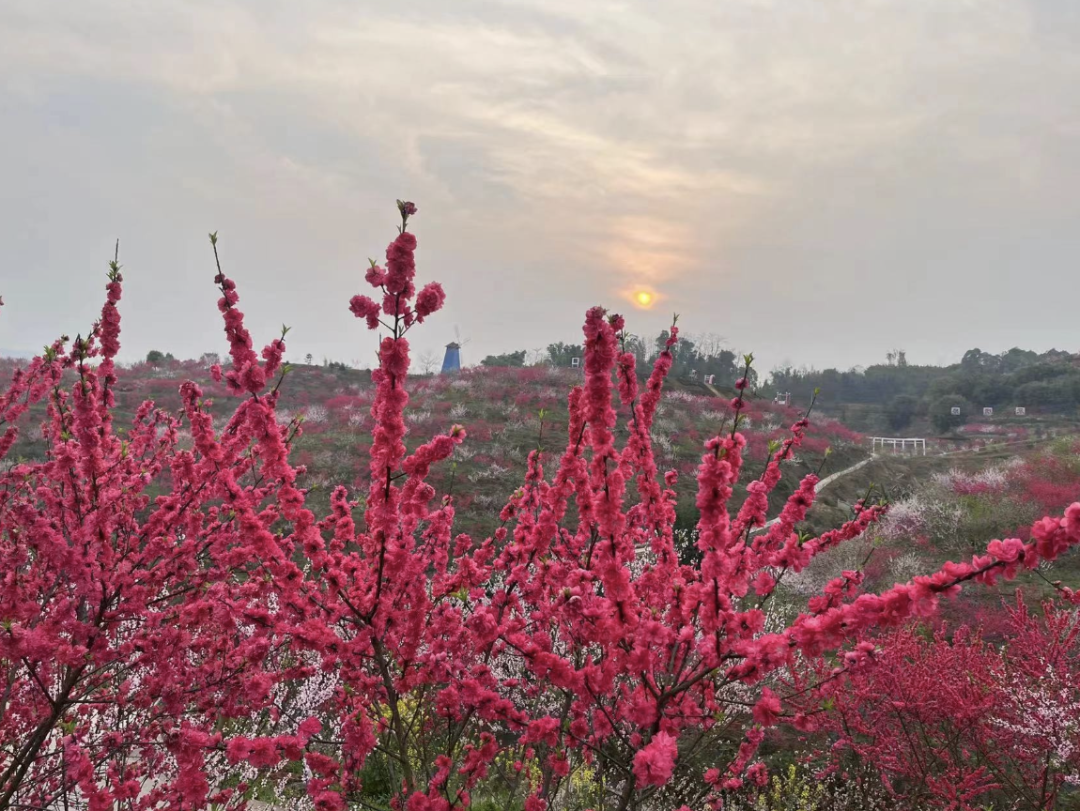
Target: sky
column 817, row 181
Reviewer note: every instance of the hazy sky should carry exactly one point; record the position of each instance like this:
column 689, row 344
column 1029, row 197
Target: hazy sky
column 817, row 180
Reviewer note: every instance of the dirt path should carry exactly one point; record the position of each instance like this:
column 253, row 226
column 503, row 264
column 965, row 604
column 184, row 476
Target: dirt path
column 821, row 485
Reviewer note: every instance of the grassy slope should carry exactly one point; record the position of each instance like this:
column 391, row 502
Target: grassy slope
column 500, row 409
column 985, row 516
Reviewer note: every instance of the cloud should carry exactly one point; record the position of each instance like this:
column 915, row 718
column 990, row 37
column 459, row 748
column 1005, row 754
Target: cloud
column 735, row 156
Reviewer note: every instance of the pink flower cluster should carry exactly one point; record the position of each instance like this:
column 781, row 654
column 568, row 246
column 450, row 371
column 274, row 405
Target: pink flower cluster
column 396, row 282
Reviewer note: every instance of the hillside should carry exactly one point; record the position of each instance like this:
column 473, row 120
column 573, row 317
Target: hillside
column 947, row 507
column 500, row 409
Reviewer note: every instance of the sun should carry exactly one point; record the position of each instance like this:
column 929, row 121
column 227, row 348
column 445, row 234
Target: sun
column 641, row 295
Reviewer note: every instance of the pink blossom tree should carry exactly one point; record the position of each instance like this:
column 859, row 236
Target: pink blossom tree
column 180, row 628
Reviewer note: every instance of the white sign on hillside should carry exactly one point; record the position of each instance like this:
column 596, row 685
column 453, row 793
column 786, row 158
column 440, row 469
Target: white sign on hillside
column 1021, row 411
column 988, row 412
column 955, row 411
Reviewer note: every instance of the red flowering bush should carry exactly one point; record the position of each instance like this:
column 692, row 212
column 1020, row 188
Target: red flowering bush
column 179, row 627
column 952, row 722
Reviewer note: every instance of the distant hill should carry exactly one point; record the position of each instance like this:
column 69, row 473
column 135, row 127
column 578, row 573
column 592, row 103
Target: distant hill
column 892, row 397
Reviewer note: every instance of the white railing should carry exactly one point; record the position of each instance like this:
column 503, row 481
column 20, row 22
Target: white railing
column 898, row 443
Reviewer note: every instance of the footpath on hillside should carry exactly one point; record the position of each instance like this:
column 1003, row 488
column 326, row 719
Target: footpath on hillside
column 821, row 485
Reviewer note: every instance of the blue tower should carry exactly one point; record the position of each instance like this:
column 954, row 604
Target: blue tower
column 452, row 360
